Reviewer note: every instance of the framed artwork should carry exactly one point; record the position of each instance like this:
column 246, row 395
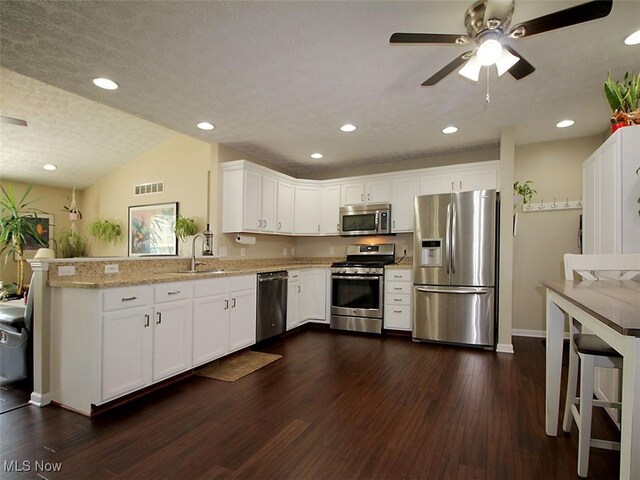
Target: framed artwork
column 44, row 226
column 151, row 229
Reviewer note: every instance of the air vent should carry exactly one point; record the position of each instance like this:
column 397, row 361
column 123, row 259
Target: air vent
column 148, row 188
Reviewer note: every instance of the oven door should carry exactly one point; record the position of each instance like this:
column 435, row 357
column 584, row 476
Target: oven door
column 357, row 295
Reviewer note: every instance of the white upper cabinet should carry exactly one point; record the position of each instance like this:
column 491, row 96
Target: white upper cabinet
column 330, row 214
column 402, row 204
column 307, row 210
column 285, row 207
column 611, row 188
column 460, row 178
column 358, row 193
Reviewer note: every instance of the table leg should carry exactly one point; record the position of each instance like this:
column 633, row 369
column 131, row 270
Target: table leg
column 630, row 423
column 555, row 330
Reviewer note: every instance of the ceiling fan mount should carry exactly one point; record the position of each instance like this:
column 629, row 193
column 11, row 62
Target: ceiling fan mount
column 487, row 23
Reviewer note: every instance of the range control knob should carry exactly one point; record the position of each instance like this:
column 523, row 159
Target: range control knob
column 342, row 270
column 372, row 270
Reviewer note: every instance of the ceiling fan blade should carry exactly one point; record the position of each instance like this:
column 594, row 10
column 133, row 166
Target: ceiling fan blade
column 429, row 38
column 563, row 18
column 13, row 121
column 520, row 69
column 447, row 69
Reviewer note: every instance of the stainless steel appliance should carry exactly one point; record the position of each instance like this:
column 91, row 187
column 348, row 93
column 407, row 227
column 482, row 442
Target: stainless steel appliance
column 272, row 304
column 454, row 268
column 357, row 288
column 372, row 219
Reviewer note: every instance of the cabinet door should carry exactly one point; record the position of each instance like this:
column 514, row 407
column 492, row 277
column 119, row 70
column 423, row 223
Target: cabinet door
column 307, row 210
column 330, row 221
column 172, row 338
column 485, row 178
column 269, row 193
column 402, row 206
column 210, row 328
column 431, row 184
column 313, row 300
column 378, row 192
column 352, row 194
column 127, row 338
column 293, row 304
column 608, row 211
column 285, row 208
column 589, row 209
column 242, row 320
column 252, row 201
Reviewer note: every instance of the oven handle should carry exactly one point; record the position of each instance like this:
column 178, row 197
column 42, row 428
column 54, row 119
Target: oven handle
column 355, row 277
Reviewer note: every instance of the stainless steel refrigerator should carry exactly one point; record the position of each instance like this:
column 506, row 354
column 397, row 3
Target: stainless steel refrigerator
column 454, row 268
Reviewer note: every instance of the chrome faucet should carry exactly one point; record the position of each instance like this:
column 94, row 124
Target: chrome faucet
column 194, row 264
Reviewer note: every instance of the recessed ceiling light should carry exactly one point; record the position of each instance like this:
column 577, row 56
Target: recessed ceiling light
column 348, row 128
column 316, row 155
column 633, row 39
column 450, row 129
column 205, row 126
column 49, row 166
column 105, row 83
column 565, row 123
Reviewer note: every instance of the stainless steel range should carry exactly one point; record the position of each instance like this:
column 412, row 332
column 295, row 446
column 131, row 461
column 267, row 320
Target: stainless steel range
column 357, row 288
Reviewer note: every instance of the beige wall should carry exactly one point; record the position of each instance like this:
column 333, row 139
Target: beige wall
column 544, row 237
column 181, row 163
column 50, row 200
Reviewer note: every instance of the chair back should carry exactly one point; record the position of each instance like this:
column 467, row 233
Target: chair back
column 595, row 267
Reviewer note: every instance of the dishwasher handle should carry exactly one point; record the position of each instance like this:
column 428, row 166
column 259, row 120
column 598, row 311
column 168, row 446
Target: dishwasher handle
column 271, row 278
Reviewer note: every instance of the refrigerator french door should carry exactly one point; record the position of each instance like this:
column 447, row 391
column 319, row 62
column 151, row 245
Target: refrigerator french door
column 454, row 268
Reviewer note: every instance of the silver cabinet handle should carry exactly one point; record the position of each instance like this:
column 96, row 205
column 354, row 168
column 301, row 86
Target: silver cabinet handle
column 318, row 227
column 260, row 223
column 455, row 290
column 397, row 276
column 298, row 288
column 174, row 292
column 338, row 226
column 146, row 320
column 397, row 288
column 451, row 185
column 368, row 196
column 265, row 224
column 279, row 225
column 460, row 184
column 159, row 318
column 397, row 299
column 128, row 299
column 233, row 303
column 226, row 304
column 397, row 311
column 394, row 224
column 362, row 197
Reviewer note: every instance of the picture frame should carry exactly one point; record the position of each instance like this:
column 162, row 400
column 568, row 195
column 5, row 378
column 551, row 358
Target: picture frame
column 44, row 224
column 151, row 230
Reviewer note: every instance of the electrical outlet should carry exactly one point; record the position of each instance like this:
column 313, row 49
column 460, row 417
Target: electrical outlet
column 111, row 268
column 66, row 271
column 243, row 251
column 223, row 251
column 284, row 251
column 332, row 250
column 293, row 251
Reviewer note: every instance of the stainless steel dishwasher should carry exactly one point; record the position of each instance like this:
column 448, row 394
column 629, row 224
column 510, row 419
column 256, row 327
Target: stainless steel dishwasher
column 272, row 305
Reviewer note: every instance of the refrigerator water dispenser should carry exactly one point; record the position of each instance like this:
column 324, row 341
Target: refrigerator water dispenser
column 432, row 252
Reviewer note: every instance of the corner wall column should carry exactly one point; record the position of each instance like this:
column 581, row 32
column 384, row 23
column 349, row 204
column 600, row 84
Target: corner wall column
column 41, row 394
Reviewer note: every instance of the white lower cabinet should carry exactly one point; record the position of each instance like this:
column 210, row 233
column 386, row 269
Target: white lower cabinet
column 293, row 298
column 306, row 296
column 172, row 339
column 242, row 319
column 210, row 328
column 397, row 300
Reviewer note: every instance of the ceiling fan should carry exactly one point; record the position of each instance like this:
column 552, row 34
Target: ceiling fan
column 487, row 22
column 13, row 121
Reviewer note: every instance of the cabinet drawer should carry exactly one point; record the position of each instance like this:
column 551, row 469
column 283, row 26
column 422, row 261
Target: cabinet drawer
column 126, row 297
column 391, row 299
column 398, row 287
column 245, row 282
column 398, row 275
column 168, row 292
column 397, row 317
column 210, row 286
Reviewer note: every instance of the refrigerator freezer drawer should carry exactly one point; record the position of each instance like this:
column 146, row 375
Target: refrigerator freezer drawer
column 462, row 315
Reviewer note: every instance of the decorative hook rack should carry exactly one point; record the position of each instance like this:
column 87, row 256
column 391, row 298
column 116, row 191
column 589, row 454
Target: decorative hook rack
column 541, row 206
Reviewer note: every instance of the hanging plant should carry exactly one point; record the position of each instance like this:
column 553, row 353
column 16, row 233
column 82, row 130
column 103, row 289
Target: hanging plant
column 72, row 208
column 107, row 231
column 185, row 227
column 71, row 244
column 524, row 190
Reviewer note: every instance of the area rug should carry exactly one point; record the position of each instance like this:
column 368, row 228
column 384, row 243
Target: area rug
column 230, row 369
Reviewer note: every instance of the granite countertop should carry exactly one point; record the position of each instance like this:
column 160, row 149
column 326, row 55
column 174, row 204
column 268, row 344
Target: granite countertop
column 406, row 263
column 146, row 278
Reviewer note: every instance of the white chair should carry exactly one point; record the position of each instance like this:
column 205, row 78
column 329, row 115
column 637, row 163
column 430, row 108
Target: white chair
column 589, row 351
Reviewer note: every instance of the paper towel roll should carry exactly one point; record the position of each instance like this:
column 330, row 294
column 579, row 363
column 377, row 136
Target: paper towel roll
column 245, row 240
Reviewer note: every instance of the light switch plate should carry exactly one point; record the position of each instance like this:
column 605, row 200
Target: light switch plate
column 223, row 252
column 66, row 271
column 243, row 251
column 284, row 251
column 332, row 250
column 111, row 268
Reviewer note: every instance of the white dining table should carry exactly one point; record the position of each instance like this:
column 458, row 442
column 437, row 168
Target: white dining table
column 609, row 309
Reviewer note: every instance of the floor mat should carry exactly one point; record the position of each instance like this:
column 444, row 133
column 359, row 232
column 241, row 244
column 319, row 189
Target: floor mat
column 230, row 369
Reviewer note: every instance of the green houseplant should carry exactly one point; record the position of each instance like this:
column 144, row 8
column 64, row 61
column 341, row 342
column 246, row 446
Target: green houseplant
column 185, row 227
column 624, row 99
column 107, row 231
column 71, row 244
column 72, row 209
column 524, row 190
column 18, row 220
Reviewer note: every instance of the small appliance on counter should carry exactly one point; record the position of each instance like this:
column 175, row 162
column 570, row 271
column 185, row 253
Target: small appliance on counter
column 454, row 268
column 371, row 219
column 357, row 288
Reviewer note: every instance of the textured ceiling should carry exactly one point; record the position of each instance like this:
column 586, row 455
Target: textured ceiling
column 279, row 78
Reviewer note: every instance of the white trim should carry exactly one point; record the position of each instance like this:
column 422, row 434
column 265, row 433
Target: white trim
column 40, row 400
column 614, row 413
column 521, row 332
column 505, row 348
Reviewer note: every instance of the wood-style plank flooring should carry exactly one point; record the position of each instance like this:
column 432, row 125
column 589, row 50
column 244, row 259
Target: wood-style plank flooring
column 336, row 406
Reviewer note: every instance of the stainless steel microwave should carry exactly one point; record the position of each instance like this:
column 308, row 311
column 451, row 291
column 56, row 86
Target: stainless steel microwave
column 372, row 219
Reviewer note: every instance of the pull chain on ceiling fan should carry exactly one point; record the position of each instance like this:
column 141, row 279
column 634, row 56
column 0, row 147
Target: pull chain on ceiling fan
column 487, row 22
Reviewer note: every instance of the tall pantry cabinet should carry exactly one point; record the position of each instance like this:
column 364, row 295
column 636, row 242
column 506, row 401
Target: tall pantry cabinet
column 611, row 188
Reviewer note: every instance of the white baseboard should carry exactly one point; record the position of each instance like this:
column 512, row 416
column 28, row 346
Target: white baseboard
column 40, row 399
column 504, row 348
column 519, row 332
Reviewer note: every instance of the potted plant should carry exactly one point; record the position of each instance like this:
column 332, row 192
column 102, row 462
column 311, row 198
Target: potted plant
column 624, row 100
column 185, row 227
column 72, row 209
column 71, row 244
column 524, row 191
column 108, row 231
column 16, row 227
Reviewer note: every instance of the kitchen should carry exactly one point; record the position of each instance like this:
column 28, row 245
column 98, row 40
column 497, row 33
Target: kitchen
column 555, row 167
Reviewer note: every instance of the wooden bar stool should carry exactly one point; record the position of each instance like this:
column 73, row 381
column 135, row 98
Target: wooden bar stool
column 589, row 351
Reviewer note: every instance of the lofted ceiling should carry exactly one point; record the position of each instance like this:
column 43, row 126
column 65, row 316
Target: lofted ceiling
column 278, row 79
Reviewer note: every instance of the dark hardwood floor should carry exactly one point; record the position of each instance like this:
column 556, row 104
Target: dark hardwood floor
column 336, row 406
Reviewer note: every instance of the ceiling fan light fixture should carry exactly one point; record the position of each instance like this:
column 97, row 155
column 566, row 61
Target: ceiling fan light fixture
column 489, row 52
column 471, row 69
column 506, row 61
column 633, row 39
